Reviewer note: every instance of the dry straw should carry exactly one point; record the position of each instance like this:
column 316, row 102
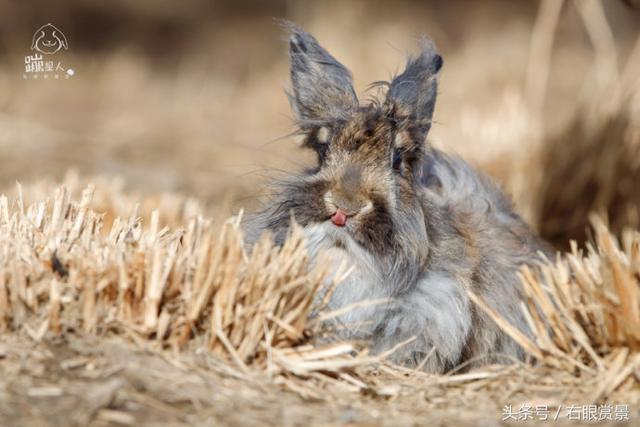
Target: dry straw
column 584, row 310
column 191, row 285
column 62, row 268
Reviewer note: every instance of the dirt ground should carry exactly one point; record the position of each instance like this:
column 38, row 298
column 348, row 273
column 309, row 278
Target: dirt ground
column 85, row 381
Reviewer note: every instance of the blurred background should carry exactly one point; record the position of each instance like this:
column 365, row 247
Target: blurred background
column 188, row 96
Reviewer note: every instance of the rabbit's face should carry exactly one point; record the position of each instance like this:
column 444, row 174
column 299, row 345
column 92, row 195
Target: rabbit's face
column 364, row 181
column 368, row 156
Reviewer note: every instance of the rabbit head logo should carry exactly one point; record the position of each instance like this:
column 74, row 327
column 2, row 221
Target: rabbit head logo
column 48, row 40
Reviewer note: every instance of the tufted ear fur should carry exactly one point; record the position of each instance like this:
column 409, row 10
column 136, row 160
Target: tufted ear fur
column 322, row 88
column 413, row 93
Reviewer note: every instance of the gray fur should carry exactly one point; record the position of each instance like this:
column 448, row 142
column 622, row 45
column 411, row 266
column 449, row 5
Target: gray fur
column 322, row 87
column 417, row 87
column 425, row 228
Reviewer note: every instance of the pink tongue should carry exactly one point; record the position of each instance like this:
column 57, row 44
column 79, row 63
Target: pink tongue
column 339, row 218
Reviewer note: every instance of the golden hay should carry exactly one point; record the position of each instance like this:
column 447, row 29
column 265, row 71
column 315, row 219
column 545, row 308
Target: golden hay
column 160, row 282
column 192, row 291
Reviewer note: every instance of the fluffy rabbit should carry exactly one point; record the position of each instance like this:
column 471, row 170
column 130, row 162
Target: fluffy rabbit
column 420, row 227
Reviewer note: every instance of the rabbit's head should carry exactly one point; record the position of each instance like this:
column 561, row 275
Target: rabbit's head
column 366, row 180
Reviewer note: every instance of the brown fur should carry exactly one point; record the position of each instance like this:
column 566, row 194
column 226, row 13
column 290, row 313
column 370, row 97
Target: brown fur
column 422, row 227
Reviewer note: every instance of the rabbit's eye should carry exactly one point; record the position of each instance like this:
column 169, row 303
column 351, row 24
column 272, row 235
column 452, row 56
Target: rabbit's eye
column 318, row 140
column 396, row 160
column 323, row 135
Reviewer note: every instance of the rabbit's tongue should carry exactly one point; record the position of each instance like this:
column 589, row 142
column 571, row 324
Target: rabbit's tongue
column 339, row 218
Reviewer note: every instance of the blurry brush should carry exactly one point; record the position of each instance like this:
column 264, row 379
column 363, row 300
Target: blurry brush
column 591, row 168
column 593, row 164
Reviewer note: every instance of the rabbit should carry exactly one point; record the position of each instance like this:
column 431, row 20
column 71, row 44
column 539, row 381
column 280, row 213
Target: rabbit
column 419, row 227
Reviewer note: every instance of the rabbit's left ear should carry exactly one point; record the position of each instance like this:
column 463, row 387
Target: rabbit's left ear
column 322, row 87
column 413, row 93
column 62, row 39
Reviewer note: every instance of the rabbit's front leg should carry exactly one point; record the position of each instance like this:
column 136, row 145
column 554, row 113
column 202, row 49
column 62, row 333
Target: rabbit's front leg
column 437, row 313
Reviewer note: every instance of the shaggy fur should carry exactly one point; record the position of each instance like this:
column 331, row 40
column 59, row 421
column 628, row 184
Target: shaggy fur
column 422, row 226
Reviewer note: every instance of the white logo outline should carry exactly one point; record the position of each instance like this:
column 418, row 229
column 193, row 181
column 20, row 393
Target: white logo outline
column 49, row 40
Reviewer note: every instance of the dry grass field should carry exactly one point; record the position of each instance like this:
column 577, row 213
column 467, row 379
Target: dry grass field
column 128, row 298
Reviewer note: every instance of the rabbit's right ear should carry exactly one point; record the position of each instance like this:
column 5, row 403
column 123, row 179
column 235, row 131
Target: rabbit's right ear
column 322, row 88
column 413, row 93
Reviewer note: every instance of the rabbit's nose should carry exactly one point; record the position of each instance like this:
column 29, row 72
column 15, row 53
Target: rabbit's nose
column 339, row 218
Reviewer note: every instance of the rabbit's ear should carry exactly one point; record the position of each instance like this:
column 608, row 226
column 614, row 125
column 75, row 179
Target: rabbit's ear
column 413, row 93
column 322, row 87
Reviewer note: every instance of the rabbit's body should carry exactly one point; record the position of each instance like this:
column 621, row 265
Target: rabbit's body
column 420, row 228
